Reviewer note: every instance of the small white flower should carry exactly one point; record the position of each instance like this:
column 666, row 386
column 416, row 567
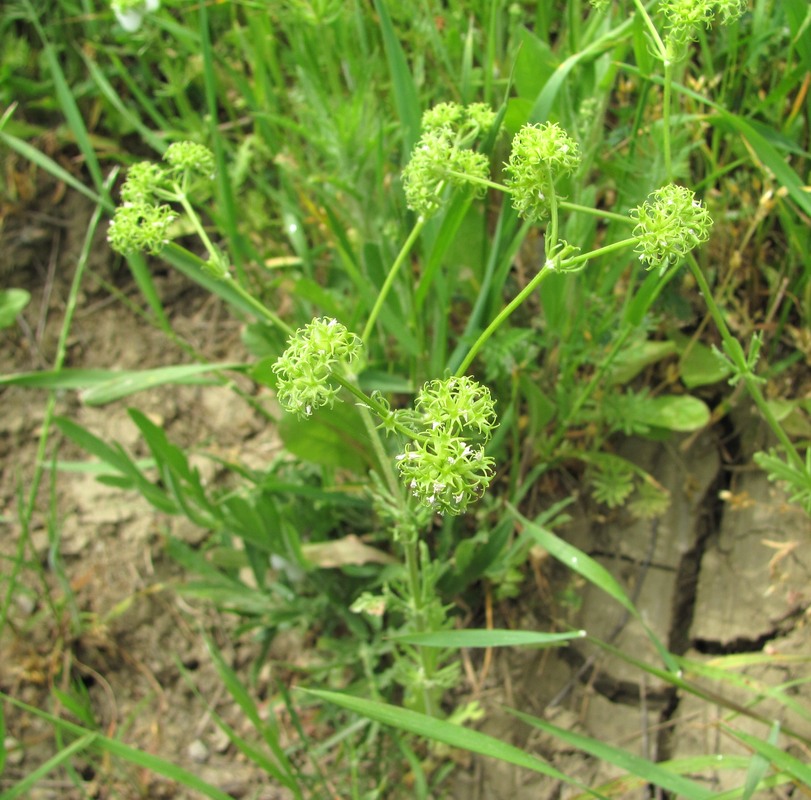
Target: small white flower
column 130, row 16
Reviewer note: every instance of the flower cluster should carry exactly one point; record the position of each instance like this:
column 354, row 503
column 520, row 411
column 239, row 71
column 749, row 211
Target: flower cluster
column 190, row 157
column 670, row 224
column 306, row 369
column 141, row 223
column 540, row 155
column 443, row 155
column 140, row 227
column 685, row 17
column 446, row 468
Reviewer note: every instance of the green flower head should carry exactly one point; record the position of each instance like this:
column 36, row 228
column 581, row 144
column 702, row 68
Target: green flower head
column 191, row 157
column 684, row 18
column 446, row 468
column 139, row 227
column 445, row 473
column 437, row 161
column 670, row 224
column 314, row 354
column 540, row 154
column 459, row 405
column 143, row 179
column 443, row 155
column 443, row 115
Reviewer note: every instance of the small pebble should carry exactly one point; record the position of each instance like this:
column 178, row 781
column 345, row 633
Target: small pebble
column 14, row 751
column 198, row 751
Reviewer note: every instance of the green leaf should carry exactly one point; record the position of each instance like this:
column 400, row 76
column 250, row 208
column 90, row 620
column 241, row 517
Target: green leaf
column 674, row 413
column 595, row 573
column 117, row 458
column 488, row 638
column 448, row 733
column 541, row 110
column 112, row 747
column 634, row 358
column 758, row 766
column 641, row 767
column 12, row 302
column 782, row 760
column 129, row 382
column 534, row 65
column 59, row 379
column 405, row 91
column 699, row 364
column 22, row 788
column 332, row 437
column 281, row 770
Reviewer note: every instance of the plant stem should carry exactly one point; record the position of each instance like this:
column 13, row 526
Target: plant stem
column 368, row 402
column 564, row 265
column 594, row 212
column 743, row 369
column 182, row 198
column 501, row 317
column 666, row 104
column 500, row 187
column 664, row 56
column 409, row 537
column 387, row 284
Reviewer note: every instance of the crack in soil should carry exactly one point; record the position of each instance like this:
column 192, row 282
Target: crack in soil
column 742, row 644
column 708, row 524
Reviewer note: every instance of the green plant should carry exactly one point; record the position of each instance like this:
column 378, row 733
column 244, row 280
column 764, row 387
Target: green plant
column 492, row 321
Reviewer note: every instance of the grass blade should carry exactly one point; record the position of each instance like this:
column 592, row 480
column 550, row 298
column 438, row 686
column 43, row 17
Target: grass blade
column 59, row 378
column 448, row 733
column 485, row 638
column 759, row 766
column 129, row 382
column 641, row 767
column 52, row 168
column 283, row 770
column 30, row 780
column 596, row 574
column 153, row 140
column 782, row 760
column 123, row 751
column 405, row 92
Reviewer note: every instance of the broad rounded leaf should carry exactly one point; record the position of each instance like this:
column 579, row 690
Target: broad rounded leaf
column 12, row 302
column 674, row 413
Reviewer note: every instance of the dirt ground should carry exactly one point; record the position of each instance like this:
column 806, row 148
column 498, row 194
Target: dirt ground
column 726, row 571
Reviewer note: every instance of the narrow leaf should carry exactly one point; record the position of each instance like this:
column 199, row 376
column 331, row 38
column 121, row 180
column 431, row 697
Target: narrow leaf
column 491, row 638
column 595, row 573
column 651, row 772
column 448, row 733
column 405, row 92
column 120, row 750
column 128, row 382
column 782, row 760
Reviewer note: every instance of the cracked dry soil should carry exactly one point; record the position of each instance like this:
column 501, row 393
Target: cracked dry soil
column 725, row 571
